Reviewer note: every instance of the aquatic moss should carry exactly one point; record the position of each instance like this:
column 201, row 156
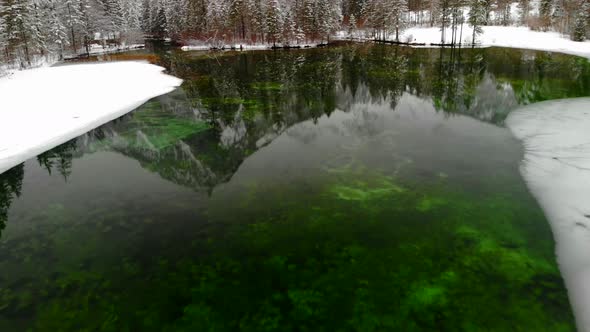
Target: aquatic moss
column 300, row 270
column 267, row 86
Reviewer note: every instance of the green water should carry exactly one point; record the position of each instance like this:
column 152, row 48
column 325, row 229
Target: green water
column 353, row 188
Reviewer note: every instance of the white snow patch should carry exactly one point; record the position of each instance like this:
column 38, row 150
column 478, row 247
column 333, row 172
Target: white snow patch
column 556, row 167
column 501, row 36
column 42, row 108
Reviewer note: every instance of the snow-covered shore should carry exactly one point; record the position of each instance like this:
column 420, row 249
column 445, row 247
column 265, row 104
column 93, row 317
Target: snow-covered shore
column 243, row 47
column 42, row 108
column 501, row 36
column 556, row 168
column 492, row 36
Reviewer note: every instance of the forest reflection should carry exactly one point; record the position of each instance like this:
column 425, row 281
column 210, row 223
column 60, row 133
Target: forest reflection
column 231, row 105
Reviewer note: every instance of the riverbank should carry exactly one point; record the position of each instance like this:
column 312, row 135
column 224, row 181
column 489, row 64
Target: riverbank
column 492, row 36
column 501, row 36
column 248, row 47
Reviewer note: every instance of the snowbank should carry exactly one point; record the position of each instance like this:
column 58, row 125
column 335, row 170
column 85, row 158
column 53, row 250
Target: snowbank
column 515, row 37
column 96, row 49
column 237, row 47
column 245, row 47
column 556, row 167
column 42, row 108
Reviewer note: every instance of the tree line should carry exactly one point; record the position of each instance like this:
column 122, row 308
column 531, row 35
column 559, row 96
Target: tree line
column 30, row 28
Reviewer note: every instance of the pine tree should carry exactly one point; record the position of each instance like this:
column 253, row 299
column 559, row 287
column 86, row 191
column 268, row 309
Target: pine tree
column 524, row 7
column 146, row 17
column 57, row 35
column 351, row 25
column 400, row 10
column 273, row 21
column 329, row 18
column 175, row 18
column 159, row 24
column 557, row 18
column 545, row 10
column 86, row 24
column 3, row 37
column 73, row 20
column 581, row 23
column 18, row 30
column 445, row 17
column 39, row 25
column 477, row 17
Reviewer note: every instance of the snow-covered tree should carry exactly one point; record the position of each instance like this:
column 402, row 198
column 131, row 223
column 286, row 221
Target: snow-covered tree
column 274, row 21
column 352, row 25
column 217, row 13
column 3, row 37
column 19, row 29
column 72, row 19
column 558, row 16
column 524, row 8
column 545, row 11
column 174, row 11
column 329, row 15
column 58, row 33
column 399, row 12
column 40, row 25
column 581, row 23
column 477, row 17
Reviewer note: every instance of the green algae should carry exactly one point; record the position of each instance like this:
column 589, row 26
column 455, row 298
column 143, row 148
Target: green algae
column 154, row 129
column 300, row 268
column 429, row 203
column 267, row 86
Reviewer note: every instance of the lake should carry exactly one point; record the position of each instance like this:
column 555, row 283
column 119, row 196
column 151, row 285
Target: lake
column 349, row 188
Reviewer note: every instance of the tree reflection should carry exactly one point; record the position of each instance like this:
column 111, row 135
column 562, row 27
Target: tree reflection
column 10, row 187
column 232, row 104
column 59, row 158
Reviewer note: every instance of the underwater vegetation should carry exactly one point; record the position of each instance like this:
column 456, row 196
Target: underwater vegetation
column 154, row 128
column 363, row 251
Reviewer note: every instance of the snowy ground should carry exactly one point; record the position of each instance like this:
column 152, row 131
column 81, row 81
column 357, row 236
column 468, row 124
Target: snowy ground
column 42, row 108
column 514, row 37
column 556, row 168
column 7, row 69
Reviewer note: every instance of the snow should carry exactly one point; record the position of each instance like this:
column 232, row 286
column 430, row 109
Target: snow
column 501, row 36
column 42, row 108
column 556, row 167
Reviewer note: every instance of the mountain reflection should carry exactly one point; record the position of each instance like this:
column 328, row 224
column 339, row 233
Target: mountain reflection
column 231, row 105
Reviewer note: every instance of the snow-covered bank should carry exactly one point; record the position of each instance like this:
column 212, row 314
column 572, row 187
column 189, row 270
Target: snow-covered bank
column 243, row 47
column 556, row 167
column 515, row 37
column 42, row 108
column 96, row 49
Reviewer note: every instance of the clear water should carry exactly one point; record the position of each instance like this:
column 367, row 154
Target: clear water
column 353, row 188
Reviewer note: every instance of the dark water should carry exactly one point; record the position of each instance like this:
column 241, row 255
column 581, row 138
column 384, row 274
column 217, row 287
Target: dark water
column 354, row 188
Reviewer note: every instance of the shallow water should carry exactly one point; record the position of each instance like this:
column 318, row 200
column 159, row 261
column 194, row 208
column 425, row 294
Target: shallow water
column 354, row 188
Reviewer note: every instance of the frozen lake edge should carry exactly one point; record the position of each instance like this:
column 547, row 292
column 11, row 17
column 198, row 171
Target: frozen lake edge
column 556, row 168
column 78, row 98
